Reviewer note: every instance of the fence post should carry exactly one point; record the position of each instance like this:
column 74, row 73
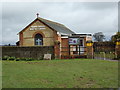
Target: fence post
column 104, row 55
column 89, row 46
column 117, row 49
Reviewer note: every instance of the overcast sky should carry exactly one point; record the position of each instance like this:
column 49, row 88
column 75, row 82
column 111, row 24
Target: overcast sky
column 80, row 17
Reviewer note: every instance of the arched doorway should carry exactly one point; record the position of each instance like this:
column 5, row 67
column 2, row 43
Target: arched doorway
column 38, row 39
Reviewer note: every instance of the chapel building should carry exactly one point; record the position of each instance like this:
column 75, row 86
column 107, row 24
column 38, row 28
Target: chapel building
column 42, row 32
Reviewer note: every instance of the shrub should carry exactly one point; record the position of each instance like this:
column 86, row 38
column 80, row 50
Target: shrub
column 11, row 58
column 26, row 59
column 5, row 58
column 29, row 59
column 17, row 59
column 23, row 59
column 57, row 42
column 41, row 57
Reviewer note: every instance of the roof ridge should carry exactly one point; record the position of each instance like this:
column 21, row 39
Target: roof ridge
column 54, row 25
column 58, row 24
column 52, row 21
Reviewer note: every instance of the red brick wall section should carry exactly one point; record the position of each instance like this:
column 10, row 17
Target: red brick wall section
column 21, row 38
column 57, row 46
column 57, row 51
column 64, row 47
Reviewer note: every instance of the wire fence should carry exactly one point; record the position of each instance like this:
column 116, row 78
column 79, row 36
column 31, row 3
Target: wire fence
column 104, row 50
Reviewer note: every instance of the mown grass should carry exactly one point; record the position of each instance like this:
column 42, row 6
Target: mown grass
column 77, row 73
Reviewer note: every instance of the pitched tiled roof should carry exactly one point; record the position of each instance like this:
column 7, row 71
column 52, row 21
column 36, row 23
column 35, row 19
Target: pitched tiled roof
column 54, row 25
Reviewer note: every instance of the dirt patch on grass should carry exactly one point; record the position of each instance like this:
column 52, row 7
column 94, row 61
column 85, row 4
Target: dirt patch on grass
column 81, row 81
column 33, row 62
column 46, row 81
column 90, row 83
column 62, row 86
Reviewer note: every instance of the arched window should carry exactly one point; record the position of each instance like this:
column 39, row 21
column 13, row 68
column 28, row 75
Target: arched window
column 38, row 39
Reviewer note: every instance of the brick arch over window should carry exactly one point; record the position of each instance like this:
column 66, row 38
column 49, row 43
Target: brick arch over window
column 38, row 38
column 38, row 32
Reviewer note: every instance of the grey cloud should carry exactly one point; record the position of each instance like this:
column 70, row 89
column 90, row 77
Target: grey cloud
column 99, row 5
column 87, row 17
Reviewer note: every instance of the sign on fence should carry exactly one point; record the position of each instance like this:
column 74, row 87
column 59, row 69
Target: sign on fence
column 74, row 41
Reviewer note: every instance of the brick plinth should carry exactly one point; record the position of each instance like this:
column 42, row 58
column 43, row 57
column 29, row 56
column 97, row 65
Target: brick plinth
column 89, row 49
column 117, row 49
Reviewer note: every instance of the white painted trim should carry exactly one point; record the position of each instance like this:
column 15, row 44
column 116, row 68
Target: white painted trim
column 64, row 37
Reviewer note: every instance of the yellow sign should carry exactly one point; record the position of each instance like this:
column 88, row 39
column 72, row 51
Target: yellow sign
column 117, row 43
column 89, row 44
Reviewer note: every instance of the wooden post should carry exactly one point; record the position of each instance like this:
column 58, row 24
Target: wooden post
column 69, row 50
column 79, row 50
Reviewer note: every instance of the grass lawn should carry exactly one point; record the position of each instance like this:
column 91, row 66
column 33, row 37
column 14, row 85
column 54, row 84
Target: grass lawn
column 77, row 73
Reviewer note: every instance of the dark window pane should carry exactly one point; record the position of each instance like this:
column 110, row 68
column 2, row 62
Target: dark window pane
column 38, row 39
column 81, row 42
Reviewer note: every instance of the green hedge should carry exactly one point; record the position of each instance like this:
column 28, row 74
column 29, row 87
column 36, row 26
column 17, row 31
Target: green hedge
column 17, row 59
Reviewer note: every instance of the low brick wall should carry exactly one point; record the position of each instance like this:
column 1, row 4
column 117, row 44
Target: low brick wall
column 36, row 52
